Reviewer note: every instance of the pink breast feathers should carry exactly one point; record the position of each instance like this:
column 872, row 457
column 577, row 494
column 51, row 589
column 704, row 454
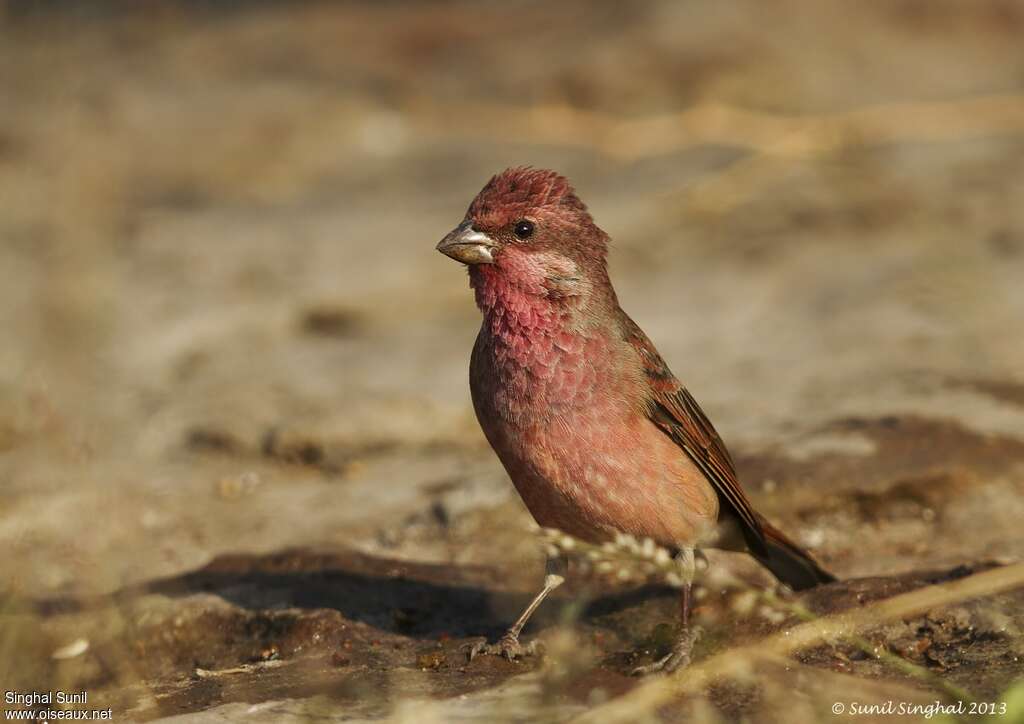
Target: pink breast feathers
column 582, row 460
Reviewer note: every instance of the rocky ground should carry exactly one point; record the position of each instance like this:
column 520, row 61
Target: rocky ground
column 240, row 471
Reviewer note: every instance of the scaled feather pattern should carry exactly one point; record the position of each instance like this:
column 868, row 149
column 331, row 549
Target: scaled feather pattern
column 596, row 433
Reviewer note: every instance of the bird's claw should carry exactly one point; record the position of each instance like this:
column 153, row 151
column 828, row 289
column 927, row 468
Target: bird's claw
column 677, row 658
column 507, row 647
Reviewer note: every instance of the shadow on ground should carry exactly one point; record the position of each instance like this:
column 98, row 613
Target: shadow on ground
column 349, row 630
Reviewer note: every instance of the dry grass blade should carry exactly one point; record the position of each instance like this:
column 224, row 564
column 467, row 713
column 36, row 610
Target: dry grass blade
column 631, row 139
column 653, row 694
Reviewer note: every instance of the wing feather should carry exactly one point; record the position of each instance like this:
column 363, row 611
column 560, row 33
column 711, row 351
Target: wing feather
column 672, row 408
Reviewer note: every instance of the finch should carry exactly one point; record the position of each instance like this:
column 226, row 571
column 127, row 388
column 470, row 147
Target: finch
column 596, row 433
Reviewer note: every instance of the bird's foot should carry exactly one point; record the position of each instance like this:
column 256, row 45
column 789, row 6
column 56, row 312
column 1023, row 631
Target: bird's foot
column 677, row 658
column 507, row 647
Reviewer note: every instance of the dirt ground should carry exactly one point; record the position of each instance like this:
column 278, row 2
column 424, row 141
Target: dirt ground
column 240, row 473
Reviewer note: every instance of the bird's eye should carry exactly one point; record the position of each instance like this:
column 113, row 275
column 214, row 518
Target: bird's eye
column 523, row 229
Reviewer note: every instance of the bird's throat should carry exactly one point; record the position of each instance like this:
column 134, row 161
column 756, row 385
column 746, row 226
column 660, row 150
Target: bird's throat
column 538, row 356
column 519, row 312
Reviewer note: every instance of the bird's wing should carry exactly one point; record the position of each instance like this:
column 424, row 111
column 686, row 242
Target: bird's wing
column 672, row 408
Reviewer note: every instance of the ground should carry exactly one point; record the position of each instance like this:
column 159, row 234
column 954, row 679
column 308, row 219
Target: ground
column 241, row 472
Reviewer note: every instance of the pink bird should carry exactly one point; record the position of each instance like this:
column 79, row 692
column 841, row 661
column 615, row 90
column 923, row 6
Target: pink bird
column 594, row 430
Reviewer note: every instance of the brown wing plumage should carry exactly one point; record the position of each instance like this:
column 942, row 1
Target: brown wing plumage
column 672, row 408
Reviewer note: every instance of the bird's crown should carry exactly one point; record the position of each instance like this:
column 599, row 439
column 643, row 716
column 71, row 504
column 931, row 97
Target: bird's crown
column 523, row 191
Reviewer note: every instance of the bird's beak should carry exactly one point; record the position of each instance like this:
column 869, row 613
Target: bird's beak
column 465, row 244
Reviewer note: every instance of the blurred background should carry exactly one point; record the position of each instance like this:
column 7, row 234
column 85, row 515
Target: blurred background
column 235, row 426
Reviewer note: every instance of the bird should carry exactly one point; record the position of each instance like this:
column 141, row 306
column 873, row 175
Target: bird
column 596, row 433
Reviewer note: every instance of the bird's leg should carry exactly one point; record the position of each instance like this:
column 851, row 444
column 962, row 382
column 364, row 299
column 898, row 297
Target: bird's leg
column 508, row 646
column 679, row 656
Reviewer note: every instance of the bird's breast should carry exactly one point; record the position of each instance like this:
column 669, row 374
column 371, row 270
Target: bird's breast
column 557, row 406
column 532, row 369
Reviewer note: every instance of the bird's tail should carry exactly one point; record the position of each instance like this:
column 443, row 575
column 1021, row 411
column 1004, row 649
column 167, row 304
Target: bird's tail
column 790, row 563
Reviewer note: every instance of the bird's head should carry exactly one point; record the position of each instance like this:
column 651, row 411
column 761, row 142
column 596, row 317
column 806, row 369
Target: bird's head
column 527, row 228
